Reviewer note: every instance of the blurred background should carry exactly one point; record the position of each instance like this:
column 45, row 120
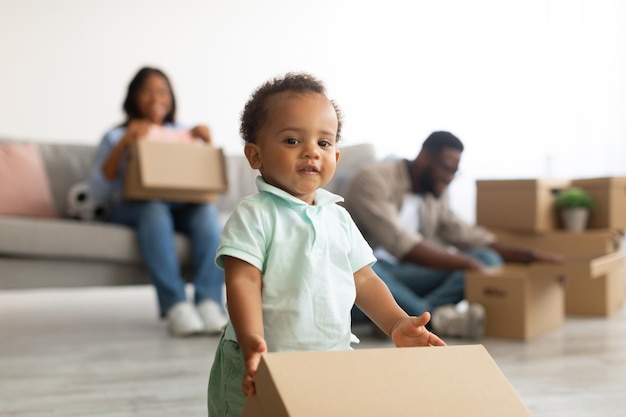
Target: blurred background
column 534, row 88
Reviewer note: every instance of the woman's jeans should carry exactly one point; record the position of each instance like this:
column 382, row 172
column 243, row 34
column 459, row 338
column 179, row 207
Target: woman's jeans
column 418, row 289
column 156, row 223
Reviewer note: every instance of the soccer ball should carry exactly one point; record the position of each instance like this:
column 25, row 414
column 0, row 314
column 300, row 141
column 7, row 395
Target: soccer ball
column 80, row 205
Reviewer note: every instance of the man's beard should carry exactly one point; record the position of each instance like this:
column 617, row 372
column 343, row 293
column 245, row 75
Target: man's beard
column 426, row 184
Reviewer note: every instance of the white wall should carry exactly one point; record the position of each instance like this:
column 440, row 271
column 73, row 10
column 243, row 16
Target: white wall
column 532, row 87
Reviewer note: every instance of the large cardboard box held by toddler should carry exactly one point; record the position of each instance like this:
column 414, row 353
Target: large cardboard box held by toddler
column 521, row 302
column 522, row 205
column 609, row 197
column 580, row 245
column 595, row 287
column 168, row 171
column 399, row 382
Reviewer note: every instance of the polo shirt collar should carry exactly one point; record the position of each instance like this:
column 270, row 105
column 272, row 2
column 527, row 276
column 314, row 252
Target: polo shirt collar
column 322, row 197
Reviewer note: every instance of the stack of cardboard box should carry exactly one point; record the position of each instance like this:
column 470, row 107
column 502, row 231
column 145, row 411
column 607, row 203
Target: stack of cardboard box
column 527, row 301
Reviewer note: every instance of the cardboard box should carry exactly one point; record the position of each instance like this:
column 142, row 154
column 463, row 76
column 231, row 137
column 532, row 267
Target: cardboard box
column 521, row 205
column 609, row 197
column 521, row 302
column 398, row 382
column 174, row 172
column 578, row 245
column 596, row 287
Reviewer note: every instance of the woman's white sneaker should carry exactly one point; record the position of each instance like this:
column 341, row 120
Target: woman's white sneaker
column 183, row 320
column 212, row 315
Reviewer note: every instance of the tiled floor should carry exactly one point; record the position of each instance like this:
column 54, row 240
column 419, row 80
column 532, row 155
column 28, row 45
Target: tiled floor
column 102, row 352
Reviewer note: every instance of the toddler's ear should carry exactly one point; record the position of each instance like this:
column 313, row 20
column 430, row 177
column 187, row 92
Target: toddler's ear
column 251, row 150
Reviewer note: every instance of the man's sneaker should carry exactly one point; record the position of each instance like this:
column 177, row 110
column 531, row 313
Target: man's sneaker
column 459, row 321
column 212, row 315
column 183, row 320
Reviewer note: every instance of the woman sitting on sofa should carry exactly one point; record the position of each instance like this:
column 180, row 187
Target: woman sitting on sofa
column 150, row 106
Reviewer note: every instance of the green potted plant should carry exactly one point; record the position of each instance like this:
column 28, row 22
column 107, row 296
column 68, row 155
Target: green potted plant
column 574, row 205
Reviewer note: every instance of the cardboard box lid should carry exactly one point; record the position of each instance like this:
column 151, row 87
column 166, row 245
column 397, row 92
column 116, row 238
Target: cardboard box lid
column 600, row 182
column 398, row 382
column 166, row 165
column 521, row 271
column 594, row 268
column 551, row 183
column 580, row 245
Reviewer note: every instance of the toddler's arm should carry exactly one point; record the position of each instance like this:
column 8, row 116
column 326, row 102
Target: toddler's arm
column 243, row 292
column 375, row 299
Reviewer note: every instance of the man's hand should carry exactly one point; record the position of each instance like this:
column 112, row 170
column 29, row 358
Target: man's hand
column 548, row 257
column 475, row 265
column 411, row 331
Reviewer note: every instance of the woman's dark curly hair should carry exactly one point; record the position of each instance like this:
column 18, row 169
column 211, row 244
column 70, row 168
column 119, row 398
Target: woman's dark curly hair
column 255, row 111
column 131, row 102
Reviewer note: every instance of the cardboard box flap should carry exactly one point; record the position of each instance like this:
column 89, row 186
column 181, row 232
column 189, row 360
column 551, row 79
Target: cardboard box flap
column 448, row 381
column 597, row 287
column 158, row 170
column 590, row 268
column 605, row 264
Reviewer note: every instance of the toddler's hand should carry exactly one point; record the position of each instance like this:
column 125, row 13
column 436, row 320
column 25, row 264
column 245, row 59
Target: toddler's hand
column 252, row 350
column 410, row 331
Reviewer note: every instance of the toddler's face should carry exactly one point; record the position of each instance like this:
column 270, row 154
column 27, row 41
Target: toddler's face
column 296, row 149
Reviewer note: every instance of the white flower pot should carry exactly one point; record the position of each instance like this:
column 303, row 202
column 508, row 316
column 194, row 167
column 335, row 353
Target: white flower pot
column 575, row 219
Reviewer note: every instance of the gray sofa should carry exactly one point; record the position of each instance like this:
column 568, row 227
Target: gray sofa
column 65, row 252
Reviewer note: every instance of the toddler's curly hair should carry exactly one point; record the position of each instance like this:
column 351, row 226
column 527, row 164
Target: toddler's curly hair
column 255, row 111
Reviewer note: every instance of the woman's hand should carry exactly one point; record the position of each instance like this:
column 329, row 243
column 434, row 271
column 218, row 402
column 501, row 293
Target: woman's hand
column 202, row 132
column 135, row 130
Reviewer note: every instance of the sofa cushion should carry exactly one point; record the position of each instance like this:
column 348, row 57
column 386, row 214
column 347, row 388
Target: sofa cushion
column 75, row 240
column 352, row 158
column 24, row 189
column 66, row 164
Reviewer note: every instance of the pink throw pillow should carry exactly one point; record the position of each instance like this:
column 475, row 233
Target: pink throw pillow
column 24, row 187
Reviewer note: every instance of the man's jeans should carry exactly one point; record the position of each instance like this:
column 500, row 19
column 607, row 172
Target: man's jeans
column 418, row 289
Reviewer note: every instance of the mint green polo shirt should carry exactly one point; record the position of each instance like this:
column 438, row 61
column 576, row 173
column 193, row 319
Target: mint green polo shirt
column 307, row 255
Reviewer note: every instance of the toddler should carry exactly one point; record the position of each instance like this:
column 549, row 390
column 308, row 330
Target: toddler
column 294, row 261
